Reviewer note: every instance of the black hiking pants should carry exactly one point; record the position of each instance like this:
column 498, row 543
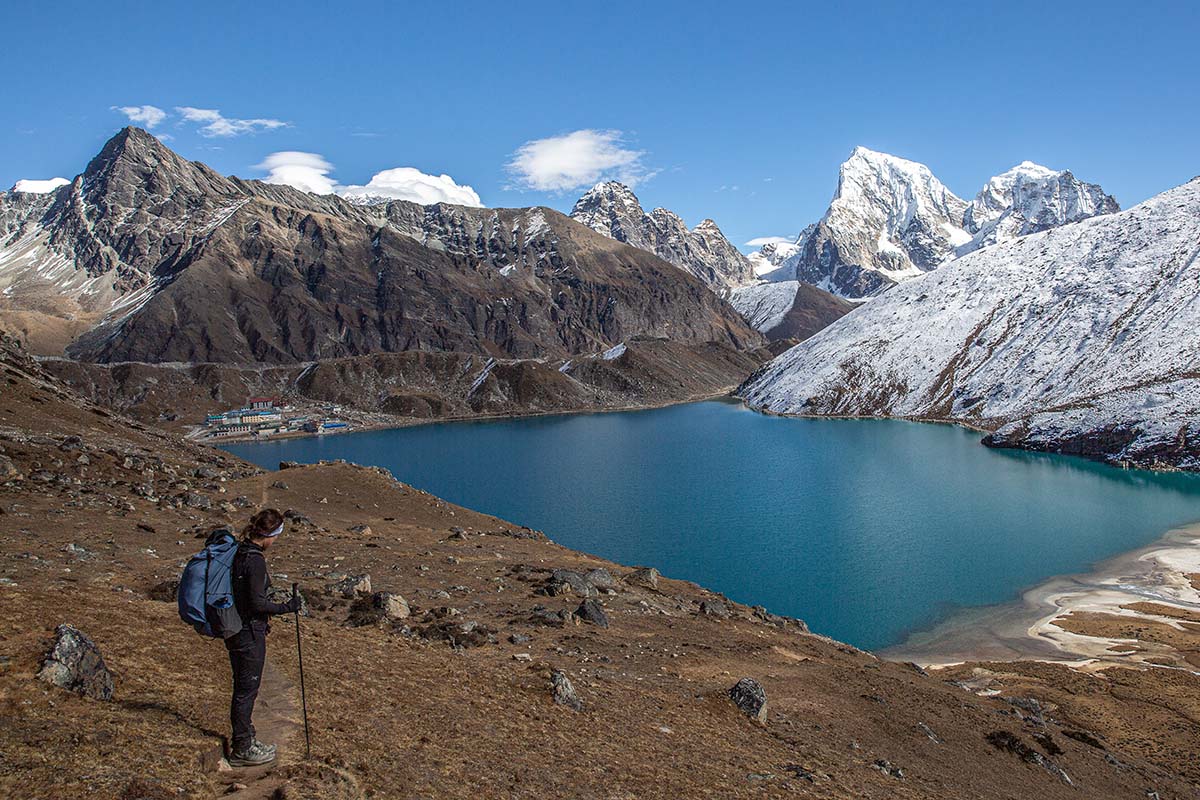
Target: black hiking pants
column 247, row 654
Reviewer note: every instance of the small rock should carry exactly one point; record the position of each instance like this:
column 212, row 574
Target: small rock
column 81, row 553
column 887, row 768
column 714, row 608
column 748, row 695
column 8, row 470
column 279, row 485
column 142, row 526
column 351, row 586
column 646, row 577
column 522, row 657
column 71, row 443
column 591, row 611
column 564, row 691
column 364, row 530
column 541, row 615
column 200, row 501
column 75, row 663
column 289, row 465
column 519, row 638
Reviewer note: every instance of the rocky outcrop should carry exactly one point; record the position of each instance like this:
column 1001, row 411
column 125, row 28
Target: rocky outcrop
column 74, row 663
column 612, row 209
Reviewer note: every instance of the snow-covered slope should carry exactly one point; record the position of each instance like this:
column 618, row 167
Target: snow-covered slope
column 892, row 220
column 765, row 304
column 611, row 208
column 1084, row 338
column 788, row 309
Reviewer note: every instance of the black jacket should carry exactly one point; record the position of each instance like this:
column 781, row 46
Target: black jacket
column 250, row 586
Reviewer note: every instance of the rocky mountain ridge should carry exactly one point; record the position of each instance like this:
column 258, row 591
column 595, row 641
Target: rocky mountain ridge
column 891, row 220
column 612, row 209
column 135, row 250
column 1079, row 339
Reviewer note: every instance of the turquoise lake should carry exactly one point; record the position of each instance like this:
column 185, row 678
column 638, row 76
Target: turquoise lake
column 865, row 529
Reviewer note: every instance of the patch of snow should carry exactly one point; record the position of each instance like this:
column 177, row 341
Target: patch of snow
column 614, row 353
column 765, row 305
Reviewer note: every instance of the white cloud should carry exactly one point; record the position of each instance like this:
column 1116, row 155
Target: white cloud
column 216, row 124
column 39, row 187
column 308, row 172
column 143, row 115
column 409, row 183
column 576, row 159
column 761, row 240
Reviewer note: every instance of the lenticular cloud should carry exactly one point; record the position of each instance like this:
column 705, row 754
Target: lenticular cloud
column 308, row 172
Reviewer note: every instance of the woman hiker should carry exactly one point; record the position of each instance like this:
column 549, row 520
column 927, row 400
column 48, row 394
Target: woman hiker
column 248, row 648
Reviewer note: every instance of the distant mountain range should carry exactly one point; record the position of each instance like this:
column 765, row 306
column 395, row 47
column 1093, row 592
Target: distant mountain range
column 1079, row 339
column 892, row 220
column 146, row 256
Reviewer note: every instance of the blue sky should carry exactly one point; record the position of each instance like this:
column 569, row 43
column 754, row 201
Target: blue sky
column 739, row 112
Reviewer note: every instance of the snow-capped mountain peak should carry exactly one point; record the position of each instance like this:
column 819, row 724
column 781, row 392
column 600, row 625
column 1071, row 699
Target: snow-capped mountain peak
column 1029, row 198
column 891, row 219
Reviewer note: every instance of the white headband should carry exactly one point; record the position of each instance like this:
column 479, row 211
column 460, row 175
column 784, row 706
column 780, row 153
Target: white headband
column 275, row 532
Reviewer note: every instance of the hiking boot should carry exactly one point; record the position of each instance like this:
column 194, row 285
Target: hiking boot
column 253, row 755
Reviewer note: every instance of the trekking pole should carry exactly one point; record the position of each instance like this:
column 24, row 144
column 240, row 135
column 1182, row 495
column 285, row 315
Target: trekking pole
column 300, row 658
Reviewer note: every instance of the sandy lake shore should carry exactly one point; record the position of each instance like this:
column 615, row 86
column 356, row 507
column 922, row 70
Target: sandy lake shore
column 1142, row 606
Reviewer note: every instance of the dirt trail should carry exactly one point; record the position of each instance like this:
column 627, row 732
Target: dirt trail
column 277, row 721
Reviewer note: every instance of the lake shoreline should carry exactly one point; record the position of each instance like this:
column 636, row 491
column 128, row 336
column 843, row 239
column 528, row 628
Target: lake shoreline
column 1062, row 619
column 414, row 422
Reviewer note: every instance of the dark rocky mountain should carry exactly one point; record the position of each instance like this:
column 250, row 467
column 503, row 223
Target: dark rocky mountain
column 612, row 209
column 159, row 259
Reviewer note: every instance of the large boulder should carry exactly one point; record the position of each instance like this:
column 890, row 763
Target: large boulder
column 749, row 696
column 74, row 662
column 591, row 611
